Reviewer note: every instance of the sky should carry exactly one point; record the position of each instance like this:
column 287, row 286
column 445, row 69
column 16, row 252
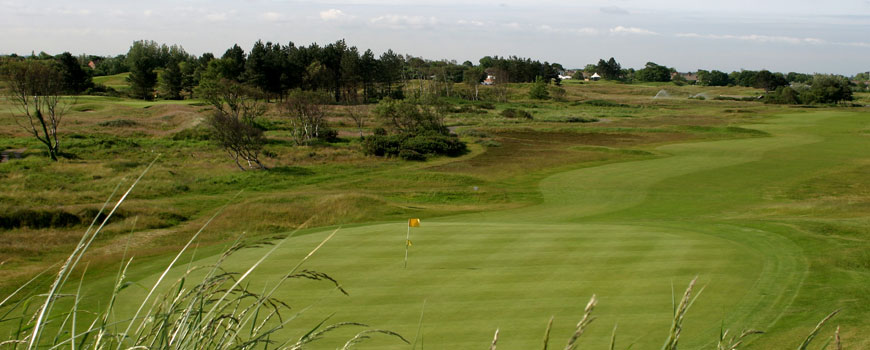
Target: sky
column 779, row 35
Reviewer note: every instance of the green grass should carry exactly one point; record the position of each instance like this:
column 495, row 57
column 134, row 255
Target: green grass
column 117, row 81
column 626, row 232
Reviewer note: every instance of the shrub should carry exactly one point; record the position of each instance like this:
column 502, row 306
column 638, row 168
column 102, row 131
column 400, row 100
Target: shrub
column 488, row 143
column 328, row 135
column 424, row 144
column 539, row 89
column 485, row 105
column 783, row 95
column 118, row 123
column 730, row 98
column 435, row 144
column 558, row 93
column 580, row 120
column 409, row 154
column 516, row 113
column 601, row 103
column 192, row 134
column 382, row 145
column 474, row 133
column 37, row 219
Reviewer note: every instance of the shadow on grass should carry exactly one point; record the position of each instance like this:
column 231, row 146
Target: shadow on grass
column 290, row 170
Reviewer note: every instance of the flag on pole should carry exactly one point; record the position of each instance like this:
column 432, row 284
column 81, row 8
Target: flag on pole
column 413, row 222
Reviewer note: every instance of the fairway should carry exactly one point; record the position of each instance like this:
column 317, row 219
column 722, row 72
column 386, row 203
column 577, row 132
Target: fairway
column 627, row 232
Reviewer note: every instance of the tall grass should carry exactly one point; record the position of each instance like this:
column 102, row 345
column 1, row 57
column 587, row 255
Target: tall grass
column 207, row 307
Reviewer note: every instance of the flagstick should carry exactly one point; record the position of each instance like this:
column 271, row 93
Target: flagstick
column 407, row 238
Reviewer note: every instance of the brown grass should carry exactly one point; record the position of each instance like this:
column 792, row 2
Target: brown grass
column 524, row 151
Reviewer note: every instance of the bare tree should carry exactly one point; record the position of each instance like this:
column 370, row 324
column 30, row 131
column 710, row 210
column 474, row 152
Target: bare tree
column 236, row 108
column 500, row 85
column 306, row 113
column 35, row 88
column 359, row 117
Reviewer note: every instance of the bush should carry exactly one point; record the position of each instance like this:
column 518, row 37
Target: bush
column 539, row 89
column 37, row 219
column 192, row 134
column 488, row 143
column 558, row 93
column 409, row 154
column 516, row 113
column 328, row 135
column 474, row 133
column 118, row 123
column 580, row 120
column 435, row 144
column 730, row 98
column 485, row 105
column 600, row 103
column 783, row 95
column 423, row 144
column 382, row 145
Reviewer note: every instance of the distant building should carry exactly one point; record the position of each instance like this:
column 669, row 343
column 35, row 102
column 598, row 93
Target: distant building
column 92, row 65
column 687, row 76
column 490, row 79
column 595, row 77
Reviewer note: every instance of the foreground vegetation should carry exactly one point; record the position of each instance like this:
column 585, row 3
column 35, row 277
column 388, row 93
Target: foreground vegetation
column 608, row 191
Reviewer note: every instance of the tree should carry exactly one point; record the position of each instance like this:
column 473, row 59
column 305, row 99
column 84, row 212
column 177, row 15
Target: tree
column 769, row 81
column 35, row 88
column 539, row 90
column 235, row 66
column 75, row 79
column 143, row 58
column 610, row 69
column 713, row 78
column 743, row 77
column 232, row 123
column 307, row 115
column 359, row 117
column 783, row 95
column 472, row 76
column 409, row 117
column 828, row 89
column 653, row 72
column 172, row 78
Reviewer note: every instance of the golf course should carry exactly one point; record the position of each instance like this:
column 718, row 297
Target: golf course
column 634, row 233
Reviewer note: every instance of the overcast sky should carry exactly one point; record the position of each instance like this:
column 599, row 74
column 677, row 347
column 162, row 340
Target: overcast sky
column 781, row 35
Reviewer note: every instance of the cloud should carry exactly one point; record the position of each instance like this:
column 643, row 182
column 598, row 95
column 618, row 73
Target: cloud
column 855, row 44
column 403, row 22
column 471, row 23
column 754, row 38
column 216, row 17
column 631, row 30
column 586, row 31
column 272, row 16
column 335, row 15
column 613, row 10
column 148, row 13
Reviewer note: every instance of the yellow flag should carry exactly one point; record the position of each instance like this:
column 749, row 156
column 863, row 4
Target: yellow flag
column 413, row 222
column 409, row 243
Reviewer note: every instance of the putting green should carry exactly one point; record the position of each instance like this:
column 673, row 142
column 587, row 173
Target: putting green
column 626, row 232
